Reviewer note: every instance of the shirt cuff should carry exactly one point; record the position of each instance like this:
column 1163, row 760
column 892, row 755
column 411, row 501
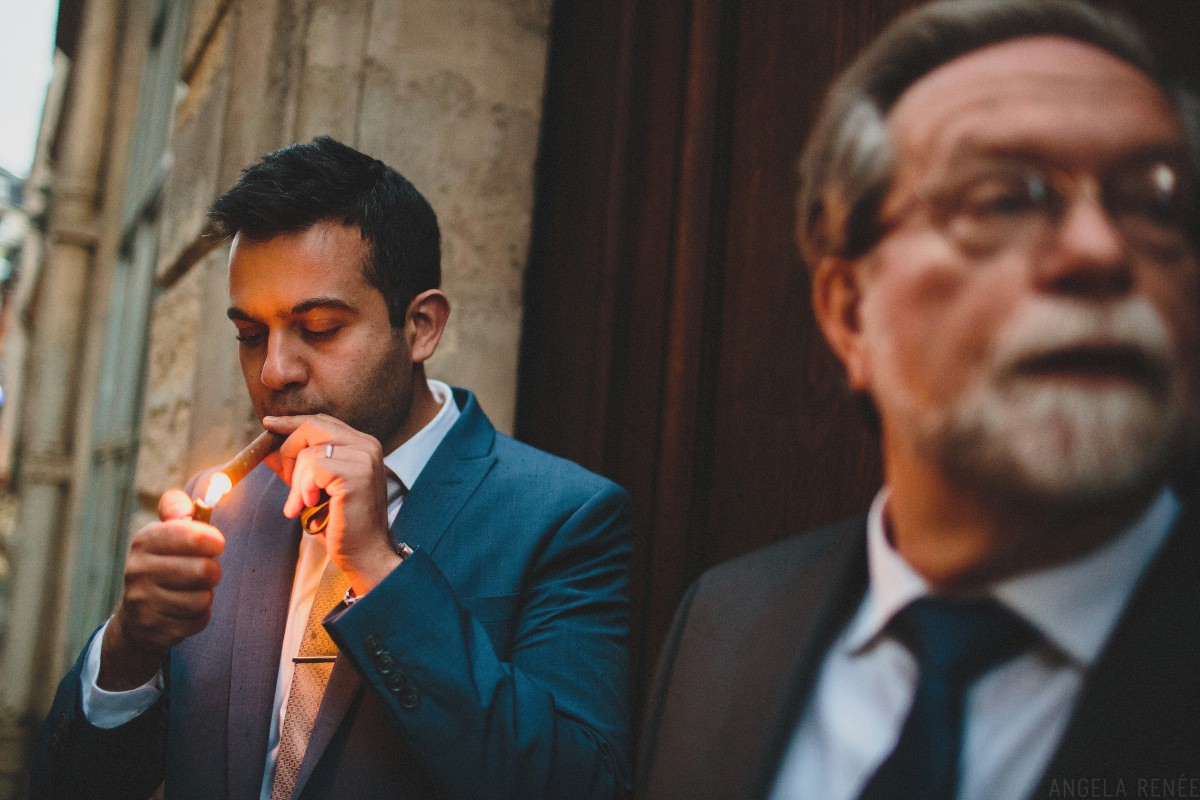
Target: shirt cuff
column 402, row 550
column 105, row 709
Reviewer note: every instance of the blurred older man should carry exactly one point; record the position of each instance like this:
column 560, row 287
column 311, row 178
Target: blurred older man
column 999, row 207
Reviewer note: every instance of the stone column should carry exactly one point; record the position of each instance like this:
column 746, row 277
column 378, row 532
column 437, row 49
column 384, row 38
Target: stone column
column 40, row 541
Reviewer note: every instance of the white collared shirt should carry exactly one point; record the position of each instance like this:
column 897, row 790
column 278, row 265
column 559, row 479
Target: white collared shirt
column 110, row 709
column 1015, row 714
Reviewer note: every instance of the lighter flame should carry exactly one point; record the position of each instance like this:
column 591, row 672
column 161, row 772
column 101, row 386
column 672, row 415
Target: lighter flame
column 218, row 485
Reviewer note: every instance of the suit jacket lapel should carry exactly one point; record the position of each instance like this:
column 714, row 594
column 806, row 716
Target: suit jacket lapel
column 828, row 603
column 1136, row 717
column 271, row 543
column 344, row 685
column 751, row 633
column 452, row 475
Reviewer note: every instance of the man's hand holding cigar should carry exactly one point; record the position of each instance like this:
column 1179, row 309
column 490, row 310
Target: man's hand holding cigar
column 324, row 454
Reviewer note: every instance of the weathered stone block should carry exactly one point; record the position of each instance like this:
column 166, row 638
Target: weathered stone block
column 204, row 21
column 452, row 98
column 334, row 45
column 265, row 51
column 170, row 374
column 222, row 419
column 196, row 147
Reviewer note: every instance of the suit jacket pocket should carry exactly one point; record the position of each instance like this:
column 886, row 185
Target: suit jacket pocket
column 496, row 614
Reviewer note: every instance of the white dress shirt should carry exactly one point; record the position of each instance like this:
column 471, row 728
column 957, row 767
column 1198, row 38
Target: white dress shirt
column 106, row 709
column 1014, row 715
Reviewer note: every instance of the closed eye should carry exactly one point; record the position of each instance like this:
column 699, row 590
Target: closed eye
column 250, row 338
column 317, row 335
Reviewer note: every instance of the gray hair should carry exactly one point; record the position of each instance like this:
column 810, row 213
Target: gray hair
column 847, row 166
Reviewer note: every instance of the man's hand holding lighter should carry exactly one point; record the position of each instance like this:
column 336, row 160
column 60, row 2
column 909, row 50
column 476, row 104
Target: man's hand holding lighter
column 172, row 570
column 170, row 574
column 322, row 453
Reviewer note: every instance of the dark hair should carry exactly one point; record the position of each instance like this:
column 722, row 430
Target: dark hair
column 846, row 169
column 298, row 186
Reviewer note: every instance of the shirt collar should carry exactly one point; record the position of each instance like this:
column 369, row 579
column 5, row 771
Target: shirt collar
column 1074, row 605
column 407, row 460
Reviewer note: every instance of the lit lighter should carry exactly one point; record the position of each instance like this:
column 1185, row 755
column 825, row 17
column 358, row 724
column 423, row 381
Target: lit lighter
column 313, row 519
column 234, row 470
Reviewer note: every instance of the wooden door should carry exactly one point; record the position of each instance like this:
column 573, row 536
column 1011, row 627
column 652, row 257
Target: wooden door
column 668, row 336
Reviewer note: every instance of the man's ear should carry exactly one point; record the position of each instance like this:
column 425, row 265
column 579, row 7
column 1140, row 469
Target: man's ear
column 424, row 323
column 837, row 300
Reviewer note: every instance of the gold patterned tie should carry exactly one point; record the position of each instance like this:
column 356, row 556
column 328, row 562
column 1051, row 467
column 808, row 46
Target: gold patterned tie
column 313, row 663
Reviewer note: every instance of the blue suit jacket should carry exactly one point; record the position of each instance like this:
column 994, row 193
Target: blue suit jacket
column 492, row 663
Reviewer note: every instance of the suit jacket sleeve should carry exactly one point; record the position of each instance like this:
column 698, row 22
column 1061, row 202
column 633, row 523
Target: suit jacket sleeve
column 546, row 720
column 73, row 758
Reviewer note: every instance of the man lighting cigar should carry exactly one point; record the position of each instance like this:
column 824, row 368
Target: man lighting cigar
column 457, row 628
column 998, row 204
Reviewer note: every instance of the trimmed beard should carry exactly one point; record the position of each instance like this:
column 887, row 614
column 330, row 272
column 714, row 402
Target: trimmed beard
column 1063, row 443
column 1016, row 433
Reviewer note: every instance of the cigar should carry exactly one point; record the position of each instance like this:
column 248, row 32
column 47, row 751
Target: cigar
column 237, row 468
column 312, row 519
column 252, row 455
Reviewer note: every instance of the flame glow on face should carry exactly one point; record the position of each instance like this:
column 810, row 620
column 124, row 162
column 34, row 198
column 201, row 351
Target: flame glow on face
column 218, row 486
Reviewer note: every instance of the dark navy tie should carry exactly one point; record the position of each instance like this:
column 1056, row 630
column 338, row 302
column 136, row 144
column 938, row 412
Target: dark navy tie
column 954, row 643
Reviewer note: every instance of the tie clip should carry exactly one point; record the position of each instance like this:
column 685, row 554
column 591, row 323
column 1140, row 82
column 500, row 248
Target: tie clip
column 314, row 659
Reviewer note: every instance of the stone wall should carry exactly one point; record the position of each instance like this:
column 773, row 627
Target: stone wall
column 446, row 91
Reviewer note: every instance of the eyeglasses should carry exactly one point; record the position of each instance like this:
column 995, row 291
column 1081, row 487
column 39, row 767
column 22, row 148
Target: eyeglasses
column 994, row 206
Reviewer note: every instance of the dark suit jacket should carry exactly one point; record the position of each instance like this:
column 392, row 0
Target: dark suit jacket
column 492, row 663
column 750, row 636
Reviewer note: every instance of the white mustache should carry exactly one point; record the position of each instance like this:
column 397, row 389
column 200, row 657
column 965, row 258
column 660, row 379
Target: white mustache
column 1048, row 328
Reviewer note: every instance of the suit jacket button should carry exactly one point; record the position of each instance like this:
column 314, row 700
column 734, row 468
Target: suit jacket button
column 395, row 682
column 409, row 698
column 384, row 663
column 374, row 644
